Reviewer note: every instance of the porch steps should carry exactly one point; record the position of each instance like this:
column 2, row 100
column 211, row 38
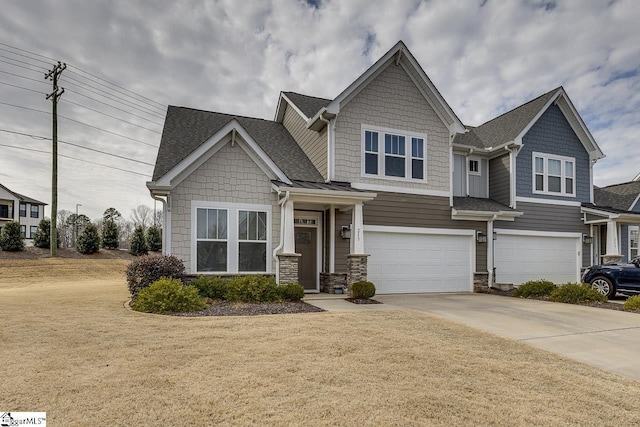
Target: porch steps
column 503, row 286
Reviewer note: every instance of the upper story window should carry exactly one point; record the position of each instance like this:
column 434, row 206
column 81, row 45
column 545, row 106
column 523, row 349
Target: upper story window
column 634, row 236
column 474, row 166
column 35, row 211
column 6, row 211
column 553, row 175
column 23, row 209
column 393, row 154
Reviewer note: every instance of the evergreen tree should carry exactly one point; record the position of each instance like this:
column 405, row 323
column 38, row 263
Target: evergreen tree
column 89, row 240
column 138, row 242
column 43, row 235
column 154, row 238
column 11, row 238
column 110, row 237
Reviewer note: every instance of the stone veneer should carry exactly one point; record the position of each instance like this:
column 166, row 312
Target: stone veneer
column 356, row 269
column 330, row 281
column 480, row 281
column 288, row 268
column 611, row 259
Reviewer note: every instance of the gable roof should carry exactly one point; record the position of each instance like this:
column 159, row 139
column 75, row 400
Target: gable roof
column 308, row 105
column 511, row 126
column 619, row 196
column 186, row 129
column 23, row 198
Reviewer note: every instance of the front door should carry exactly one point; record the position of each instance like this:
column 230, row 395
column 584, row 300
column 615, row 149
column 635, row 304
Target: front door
column 307, row 247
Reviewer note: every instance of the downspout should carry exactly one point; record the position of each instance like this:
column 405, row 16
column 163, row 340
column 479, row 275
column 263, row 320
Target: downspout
column 490, row 245
column 329, row 159
column 278, row 248
column 165, row 250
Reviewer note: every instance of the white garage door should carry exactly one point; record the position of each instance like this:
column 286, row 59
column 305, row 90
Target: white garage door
column 410, row 262
column 520, row 258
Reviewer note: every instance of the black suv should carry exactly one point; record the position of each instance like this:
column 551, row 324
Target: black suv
column 611, row 278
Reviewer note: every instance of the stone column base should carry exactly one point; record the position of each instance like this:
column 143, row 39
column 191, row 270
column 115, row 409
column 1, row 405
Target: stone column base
column 356, row 268
column 329, row 282
column 611, row 259
column 480, row 281
column 288, row 266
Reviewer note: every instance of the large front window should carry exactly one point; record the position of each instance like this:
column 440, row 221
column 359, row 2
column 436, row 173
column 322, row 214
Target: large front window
column 553, row 175
column 393, row 154
column 633, row 241
column 231, row 238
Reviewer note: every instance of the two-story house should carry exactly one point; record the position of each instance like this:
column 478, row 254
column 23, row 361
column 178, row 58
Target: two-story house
column 21, row 209
column 384, row 181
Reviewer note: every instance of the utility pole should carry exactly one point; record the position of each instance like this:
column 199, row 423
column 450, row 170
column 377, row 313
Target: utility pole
column 53, row 75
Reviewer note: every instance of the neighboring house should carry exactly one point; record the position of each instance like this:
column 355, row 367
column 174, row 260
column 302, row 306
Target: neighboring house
column 22, row 209
column 382, row 182
column 615, row 221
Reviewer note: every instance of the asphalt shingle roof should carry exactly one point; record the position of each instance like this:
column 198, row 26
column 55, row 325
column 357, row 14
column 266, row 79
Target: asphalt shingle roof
column 185, row 129
column 23, row 198
column 478, row 204
column 309, row 105
column 505, row 127
column 619, row 196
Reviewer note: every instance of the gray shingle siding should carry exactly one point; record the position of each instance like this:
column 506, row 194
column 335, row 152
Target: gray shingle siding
column 499, row 182
column 552, row 134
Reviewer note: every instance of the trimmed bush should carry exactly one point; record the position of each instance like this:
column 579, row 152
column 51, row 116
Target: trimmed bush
column 110, row 235
column 138, row 242
column 42, row 237
column 534, row 288
column 576, row 293
column 154, row 238
column 11, row 239
column 168, row 296
column 255, row 288
column 89, row 240
column 147, row 269
column 291, row 292
column 632, row 303
column 210, row 287
column 363, row 290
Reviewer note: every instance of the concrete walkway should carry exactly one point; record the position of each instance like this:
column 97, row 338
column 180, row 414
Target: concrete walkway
column 607, row 339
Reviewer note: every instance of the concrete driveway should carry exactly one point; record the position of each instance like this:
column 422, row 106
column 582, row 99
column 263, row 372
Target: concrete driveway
column 607, row 339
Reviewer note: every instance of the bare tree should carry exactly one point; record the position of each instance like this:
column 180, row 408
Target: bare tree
column 65, row 232
column 142, row 216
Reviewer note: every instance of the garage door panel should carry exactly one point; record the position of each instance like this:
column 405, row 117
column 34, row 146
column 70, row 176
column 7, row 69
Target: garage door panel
column 520, row 258
column 407, row 263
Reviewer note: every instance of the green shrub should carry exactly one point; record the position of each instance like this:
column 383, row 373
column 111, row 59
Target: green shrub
column 110, row 235
column 534, row 288
column 255, row 288
column 575, row 293
column 168, row 296
column 363, row 290
column 632, row 303
column 147, row 269
column 291, row 292
column 42, row 237
column 210, row 287
column 11, row 239
column 89, row 240
column 138, row 243
column 154, row 238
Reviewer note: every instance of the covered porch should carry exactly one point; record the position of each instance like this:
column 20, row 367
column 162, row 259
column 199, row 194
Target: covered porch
column 614, row 234
column 321, row 235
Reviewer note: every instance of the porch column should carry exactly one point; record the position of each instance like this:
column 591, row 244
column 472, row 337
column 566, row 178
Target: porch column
column 357, row 237
column 332, row 239
column 357, row 259
column 490, row 244
column 613, row 250
column 287, row 258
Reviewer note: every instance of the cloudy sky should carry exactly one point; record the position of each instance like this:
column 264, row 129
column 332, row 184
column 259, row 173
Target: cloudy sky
column 128, row 59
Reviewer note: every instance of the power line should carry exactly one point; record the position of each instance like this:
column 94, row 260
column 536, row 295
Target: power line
column 75, row 158
column 24, row 108
column 109, row 115
column 22, row 87
column 22, row 77
column 27, row 51
column 114, row 107
column 41, row 70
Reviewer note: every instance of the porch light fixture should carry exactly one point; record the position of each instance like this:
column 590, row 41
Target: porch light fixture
column 481, row 237
column 346, row 232
column 586, row 239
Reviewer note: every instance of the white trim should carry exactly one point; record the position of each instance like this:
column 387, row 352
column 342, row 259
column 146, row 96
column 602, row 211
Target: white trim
column 538, row 233
column 546, row 157
column 418, row 230
column 474, row 159
column 598, row 154
column 292, row 105
column 232, row 234
column 395, row 189
column 317, row 216
column 512, row 178
column 634, row 202
column 332, row 239
column 637, row 178
column 548, row 201
column 631, row 228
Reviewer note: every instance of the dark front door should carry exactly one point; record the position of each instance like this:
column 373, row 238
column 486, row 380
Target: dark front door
column 306, row 245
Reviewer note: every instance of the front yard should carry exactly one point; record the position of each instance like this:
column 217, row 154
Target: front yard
column 68, row 347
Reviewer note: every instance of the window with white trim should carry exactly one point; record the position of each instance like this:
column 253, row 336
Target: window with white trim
column 211, row 239
column 634, row 236
column 252, row 241
column 474, row 166
column 553, row 175
column 33, row 229
column 393, row 154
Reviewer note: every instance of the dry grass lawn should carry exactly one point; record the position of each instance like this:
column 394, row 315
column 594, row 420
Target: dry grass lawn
column 68, row 347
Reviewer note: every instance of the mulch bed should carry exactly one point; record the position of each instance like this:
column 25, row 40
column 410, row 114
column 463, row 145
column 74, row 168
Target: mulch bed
column 362, row 301
column 252, row 309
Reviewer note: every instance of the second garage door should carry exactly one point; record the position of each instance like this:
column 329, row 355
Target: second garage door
column 523, row 257
column 405, row 260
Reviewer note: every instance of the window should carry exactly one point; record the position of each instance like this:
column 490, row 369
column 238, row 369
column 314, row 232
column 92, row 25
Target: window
column 33, row 230
column 394, row 154
column 211, row 240
column 23, row 209
column 553, row 175
column 23, row 231
column 231, row 238
column 474, row 167
column 634, row 236
column 35, row 211
column 5, row 212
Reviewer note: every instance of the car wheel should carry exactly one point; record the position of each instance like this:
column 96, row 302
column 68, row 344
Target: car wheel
column 604, row 286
